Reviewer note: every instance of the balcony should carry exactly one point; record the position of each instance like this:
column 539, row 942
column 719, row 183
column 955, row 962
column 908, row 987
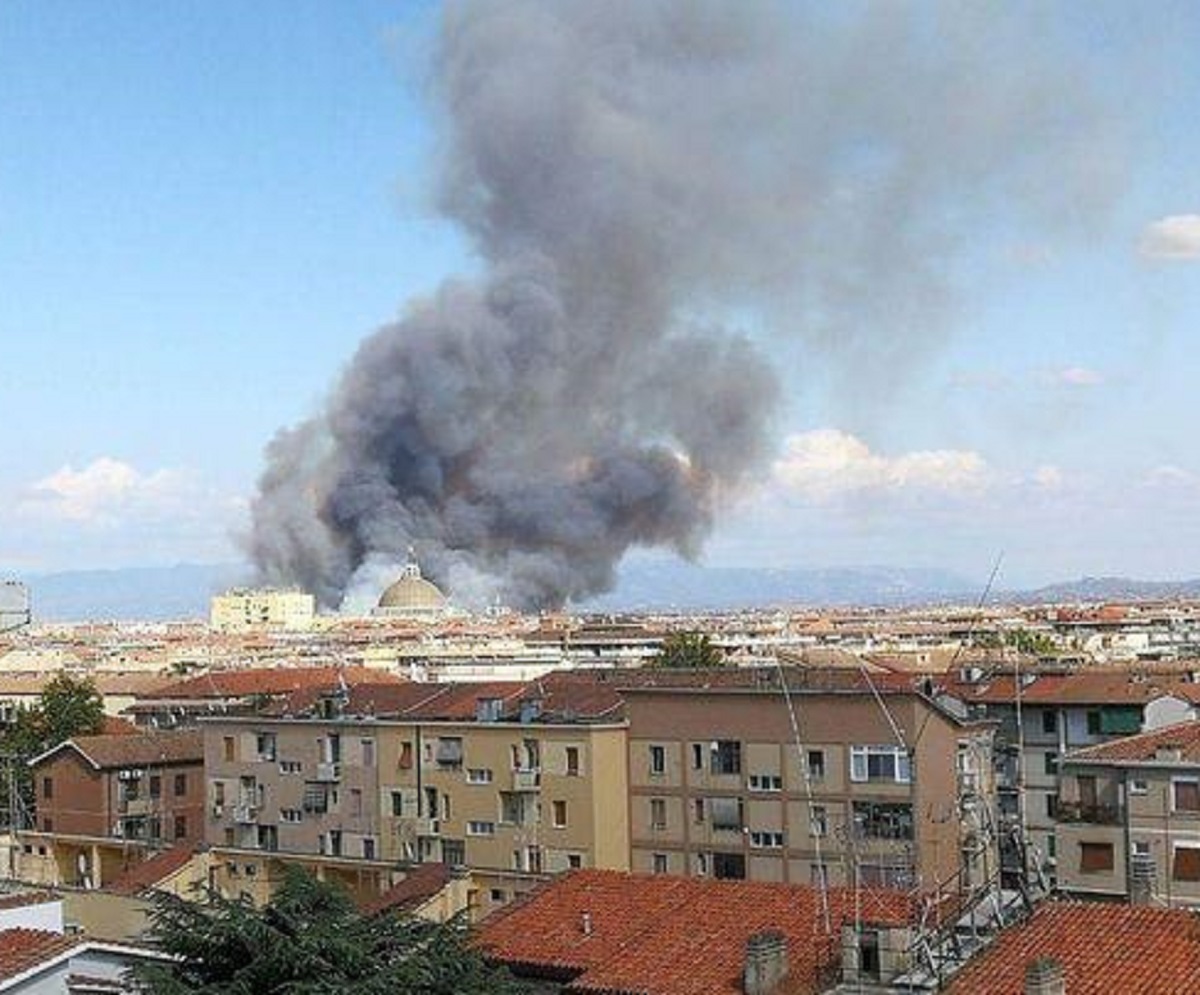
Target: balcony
column 1094, row 813
column 245, row 815
column 526, row 779
column 328, row 772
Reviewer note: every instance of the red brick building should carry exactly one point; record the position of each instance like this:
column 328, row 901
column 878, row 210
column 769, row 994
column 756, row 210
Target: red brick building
column 103, row 803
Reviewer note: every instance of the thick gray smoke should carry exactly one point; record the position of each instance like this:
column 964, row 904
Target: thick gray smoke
column 633, row 174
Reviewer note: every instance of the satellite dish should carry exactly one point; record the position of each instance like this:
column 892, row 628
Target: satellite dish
column 14, row 605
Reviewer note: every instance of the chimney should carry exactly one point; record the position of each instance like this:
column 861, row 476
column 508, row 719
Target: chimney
column 766, row 963
column 1044, row 976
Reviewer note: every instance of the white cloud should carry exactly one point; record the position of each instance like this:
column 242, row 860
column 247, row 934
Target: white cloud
column 1048, row 477
column 828, row 463
column 1071, row 377
column 1173, row 237
column 1169, row 476
column 104, row 491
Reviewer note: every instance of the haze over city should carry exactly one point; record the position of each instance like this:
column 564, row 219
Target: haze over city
column 205, row 210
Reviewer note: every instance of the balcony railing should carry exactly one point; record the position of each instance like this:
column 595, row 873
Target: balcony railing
column 1094, row 813
column 526, row 779
column 327, row 772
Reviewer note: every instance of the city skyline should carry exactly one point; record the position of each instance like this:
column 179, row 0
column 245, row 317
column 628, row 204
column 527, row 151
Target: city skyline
column 203, row 212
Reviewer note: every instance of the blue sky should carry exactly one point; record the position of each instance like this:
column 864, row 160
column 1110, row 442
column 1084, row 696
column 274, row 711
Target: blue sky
column 205, row 206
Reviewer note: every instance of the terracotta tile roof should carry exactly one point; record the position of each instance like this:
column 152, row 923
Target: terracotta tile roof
column 116, row 726
column 146, row 749
column 24, row 949
column 562, row 697
column 25, row 898
column 422, row 883
column 1184, row 737
column 150, row 873
column 267, row 681
column 1145, row 950
column 1120, row 687
column 661, row 935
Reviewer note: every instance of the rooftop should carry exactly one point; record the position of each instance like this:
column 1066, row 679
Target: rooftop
column 147, row 749
column 1145, row 950
column 613, row 932
column 1143, row 748
column 267, row 681
column 22, row 950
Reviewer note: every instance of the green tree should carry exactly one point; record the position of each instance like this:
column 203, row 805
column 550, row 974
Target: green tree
column 688, row 650
column 310, row 939
column 68, row 707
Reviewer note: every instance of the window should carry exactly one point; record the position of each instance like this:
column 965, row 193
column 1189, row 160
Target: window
column 229, row 748
column 1186, row 865
column 697, row 756
column 1050, row 764
column 356, row 801
column 1052, row 806
column 1051, row 846
column 180, row 827
column 489, row 709
column 498, row 895
column 454, row 852
column 818, row 875
column 1185, row 795
column 265, row 745
column 406, row 756
column 1049, row 722
column 766, row 782
column 290, row 815
column 726, row 757
column 316, row 797
column 368, row 845
column 698, row 810
column 47, row 787
column 574, row 861
column 701, row 864
column 180, row 785
column 729, row 866
column 1095, row 858
column 268, row 838
column 819, row 821
column 397, row 804
column 766, row 840
column 658, row 760
column 290, row 767
column 658, row 813
column 572, row 761
column 368, row 753
column 1093, row 723
column 155, row 785
column 659, row 863
column 481, row 828
column 449, row 753
column 816, row 765
column 726, row 813
column 218, row 793
column 479, row 775
column 560, row 814
column 47, row 824
column 880, row 763
column 1139, row 786
column 1141, row 848
column 883, row 820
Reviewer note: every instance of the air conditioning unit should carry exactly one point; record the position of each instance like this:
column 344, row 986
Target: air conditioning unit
column 218, row 811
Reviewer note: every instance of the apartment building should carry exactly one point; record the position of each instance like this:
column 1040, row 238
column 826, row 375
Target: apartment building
column 1129, row 818
column 105, row 803
column 838, row 778
column 1058, row 713
column 247, row 609
column 513, row 781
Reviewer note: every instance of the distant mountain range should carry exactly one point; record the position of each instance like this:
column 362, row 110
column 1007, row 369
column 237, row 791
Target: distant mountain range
column 180, row 592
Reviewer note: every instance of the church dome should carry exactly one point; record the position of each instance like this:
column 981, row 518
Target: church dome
column 412, row 594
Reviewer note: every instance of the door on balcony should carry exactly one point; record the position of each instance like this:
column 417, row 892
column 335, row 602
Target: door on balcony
column 1087, row 793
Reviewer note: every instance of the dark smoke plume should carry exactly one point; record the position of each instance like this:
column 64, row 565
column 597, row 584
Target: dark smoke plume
column 633, row 174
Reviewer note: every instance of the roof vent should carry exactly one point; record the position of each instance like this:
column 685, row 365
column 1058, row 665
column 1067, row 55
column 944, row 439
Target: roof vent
column 1044, row 976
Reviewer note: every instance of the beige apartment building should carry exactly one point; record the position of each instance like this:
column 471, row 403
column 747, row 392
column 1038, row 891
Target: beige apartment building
column 513, row 781
column 1129, row 818
column 837, row 779
column 248, row 609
